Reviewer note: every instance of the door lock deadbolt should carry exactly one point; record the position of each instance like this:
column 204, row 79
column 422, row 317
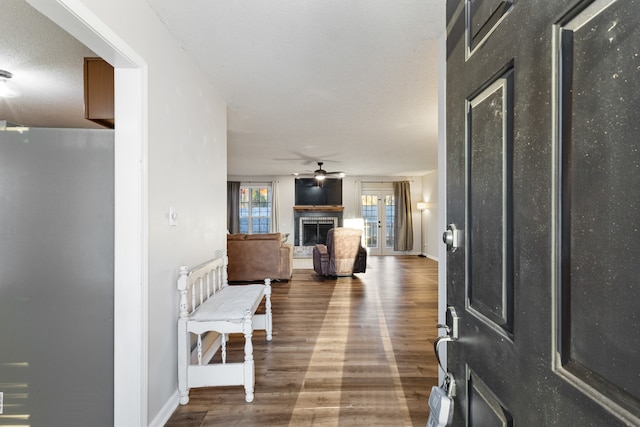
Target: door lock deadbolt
column 452, row 238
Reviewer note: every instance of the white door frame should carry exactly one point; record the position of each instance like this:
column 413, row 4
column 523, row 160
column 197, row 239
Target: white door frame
column 130, row 228
column 442, row 193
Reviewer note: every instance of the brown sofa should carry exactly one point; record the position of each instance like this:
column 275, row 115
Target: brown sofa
column 255, row 257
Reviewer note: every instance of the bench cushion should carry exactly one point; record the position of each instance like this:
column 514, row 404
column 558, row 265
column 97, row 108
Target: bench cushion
column 229, row 304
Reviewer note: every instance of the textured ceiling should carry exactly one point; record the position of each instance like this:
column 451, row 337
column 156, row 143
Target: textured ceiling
column 352, row 83
column 47, row 67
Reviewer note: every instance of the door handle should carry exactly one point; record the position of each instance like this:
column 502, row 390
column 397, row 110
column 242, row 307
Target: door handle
column 452, row 238
column 452, row 333
column 452, row 323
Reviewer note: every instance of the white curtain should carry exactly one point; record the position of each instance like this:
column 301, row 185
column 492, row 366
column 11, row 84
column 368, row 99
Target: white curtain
column 358, row 189
column 275, row 207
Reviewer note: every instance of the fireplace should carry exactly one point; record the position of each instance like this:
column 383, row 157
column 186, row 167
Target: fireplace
column 313, row 222
column 314, row 230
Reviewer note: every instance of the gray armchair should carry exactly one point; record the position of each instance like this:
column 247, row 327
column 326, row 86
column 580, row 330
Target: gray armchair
column 343, row 255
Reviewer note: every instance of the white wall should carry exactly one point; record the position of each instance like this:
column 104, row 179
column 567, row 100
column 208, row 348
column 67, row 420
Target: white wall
column 431, row 232
column 184, row 125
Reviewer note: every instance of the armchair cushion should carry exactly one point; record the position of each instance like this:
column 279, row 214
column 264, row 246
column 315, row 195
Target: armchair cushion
column 338, row 257
column 320, row 259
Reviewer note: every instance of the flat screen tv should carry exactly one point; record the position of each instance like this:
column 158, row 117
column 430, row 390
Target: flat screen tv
column 311, row 192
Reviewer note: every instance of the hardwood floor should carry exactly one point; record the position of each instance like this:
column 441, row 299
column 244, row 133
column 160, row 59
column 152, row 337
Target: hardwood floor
column 345, row 352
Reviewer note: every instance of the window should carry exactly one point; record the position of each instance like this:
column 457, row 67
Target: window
column 378, row 212
column 255, row 209
column 370, row 215
column 390, row 219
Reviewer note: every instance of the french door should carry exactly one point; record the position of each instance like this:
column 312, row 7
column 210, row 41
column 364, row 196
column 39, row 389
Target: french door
column 543, row 207
column 378, row 211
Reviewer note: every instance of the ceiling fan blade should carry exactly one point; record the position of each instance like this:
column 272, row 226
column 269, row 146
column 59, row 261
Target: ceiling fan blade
column 321, row 173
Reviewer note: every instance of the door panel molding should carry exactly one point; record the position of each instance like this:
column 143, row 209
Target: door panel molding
column 485, row 409
column 489, row 124
column 483, row 17
column 595, row 127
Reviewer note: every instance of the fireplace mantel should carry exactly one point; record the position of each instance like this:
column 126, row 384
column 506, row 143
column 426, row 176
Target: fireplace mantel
column 330, row 208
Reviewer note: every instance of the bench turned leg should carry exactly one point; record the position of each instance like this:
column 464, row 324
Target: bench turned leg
column 183, row 361
column 268, row 319
column 223, row 344
column 249, row 365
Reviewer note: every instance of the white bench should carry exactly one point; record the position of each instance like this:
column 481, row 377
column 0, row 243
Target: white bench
column 210, row 310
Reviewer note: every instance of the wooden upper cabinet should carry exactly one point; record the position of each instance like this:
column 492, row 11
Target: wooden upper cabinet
column 99, row 92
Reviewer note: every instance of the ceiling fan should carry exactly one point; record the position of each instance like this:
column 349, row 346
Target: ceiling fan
column 320, row 174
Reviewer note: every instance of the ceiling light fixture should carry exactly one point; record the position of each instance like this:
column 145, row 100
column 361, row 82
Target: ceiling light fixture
column 320, row 174
column 7, row 87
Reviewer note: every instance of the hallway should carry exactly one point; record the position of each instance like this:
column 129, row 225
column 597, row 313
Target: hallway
column 345, row 352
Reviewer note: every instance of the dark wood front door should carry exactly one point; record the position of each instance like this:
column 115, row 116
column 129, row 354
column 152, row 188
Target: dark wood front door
column 543, row 181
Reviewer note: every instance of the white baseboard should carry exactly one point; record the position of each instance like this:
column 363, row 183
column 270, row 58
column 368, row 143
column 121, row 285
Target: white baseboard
column 435, row 258
column 167, row 410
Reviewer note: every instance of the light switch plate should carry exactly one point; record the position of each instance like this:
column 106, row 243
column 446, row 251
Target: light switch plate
column 173, row 216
